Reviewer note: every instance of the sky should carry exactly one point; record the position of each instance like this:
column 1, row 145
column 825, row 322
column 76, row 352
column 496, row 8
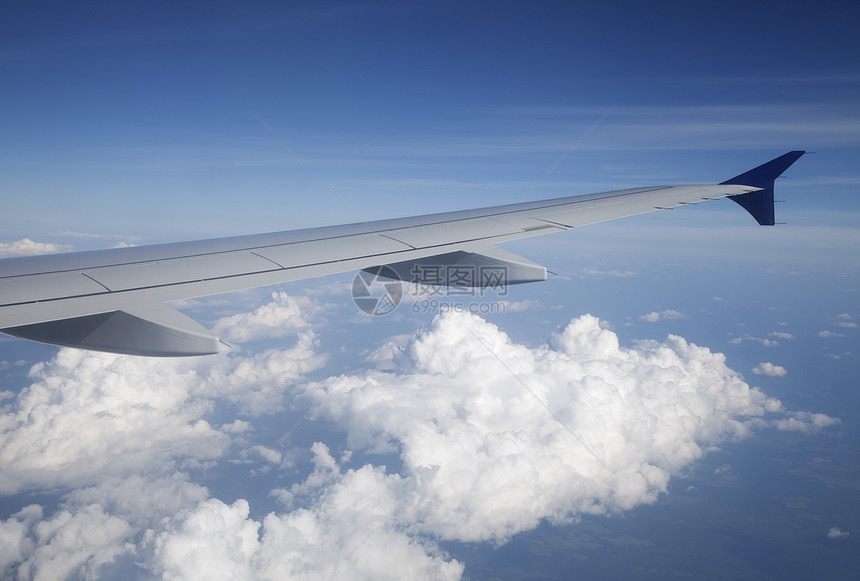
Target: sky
column 679, row 398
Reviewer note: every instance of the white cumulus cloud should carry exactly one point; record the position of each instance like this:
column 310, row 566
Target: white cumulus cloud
column 80, row 542
column 495, row 436
column 283, row 316
column 88, row 415
column 351, row 530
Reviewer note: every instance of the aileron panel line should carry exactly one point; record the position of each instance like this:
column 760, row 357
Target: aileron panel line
column 179, row 270
column 40, row 287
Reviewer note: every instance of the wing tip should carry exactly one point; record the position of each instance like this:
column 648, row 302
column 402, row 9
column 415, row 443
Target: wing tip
column 760, row 203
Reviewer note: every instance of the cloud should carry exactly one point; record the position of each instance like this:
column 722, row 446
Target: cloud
column 117, row 432
column 88, row 415
column 837, row 533
column 666, row 315
column 766, row 368
column 98, row 532
column 806, row 422
column 27, row 247
column 350, row 530
column 142, row 499
column 268, row 454
column 495, row 436
column 847, row 324
column 592, row 272
column 765, row 342
column 80, row 542
column 781, row 335
column 828, row 334
column 283, row 316
column 14, row 540
column 236, row 427
column 520, row 306
column 72, row 234
column 212, row 541
column 660, row 127
column 258, row 383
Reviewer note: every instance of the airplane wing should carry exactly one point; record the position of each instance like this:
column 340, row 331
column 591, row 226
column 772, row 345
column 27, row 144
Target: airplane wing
column 112, row 300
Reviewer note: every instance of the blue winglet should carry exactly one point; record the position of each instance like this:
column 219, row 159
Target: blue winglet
column 760, row 204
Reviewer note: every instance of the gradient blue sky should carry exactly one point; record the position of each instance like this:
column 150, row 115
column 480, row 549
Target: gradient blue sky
column 146, row 121
column 138, row 123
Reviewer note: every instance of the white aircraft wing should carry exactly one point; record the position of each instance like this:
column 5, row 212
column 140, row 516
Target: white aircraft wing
column 112, row 300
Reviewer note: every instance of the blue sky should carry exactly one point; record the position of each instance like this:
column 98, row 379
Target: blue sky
column 146, row 123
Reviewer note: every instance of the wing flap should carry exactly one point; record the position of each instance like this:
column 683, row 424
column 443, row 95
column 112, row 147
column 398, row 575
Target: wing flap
column 492, row 267
column 154, row 331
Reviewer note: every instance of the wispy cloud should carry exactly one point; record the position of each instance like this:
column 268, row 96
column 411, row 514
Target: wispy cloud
column 593, row 272
column 667, row 315
column 827, row 334
column 837, row 533
column 765, row 342
column 760, row 125
column 781, row 335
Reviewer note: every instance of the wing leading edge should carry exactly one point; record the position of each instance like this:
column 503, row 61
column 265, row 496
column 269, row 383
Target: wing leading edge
column 111, row 300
